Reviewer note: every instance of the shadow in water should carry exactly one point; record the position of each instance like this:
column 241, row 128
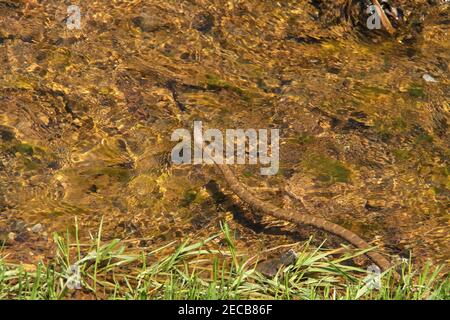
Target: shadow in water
column 252, row 220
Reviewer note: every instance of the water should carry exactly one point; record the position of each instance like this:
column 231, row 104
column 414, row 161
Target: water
column 86, row 117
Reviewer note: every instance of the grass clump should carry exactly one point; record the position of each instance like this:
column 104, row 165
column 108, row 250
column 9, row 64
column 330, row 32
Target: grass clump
column 210, row 269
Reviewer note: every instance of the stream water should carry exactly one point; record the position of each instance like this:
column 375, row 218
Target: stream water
column 86, row 117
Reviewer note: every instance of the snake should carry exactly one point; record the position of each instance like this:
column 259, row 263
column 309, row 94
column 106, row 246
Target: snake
column 299, row 218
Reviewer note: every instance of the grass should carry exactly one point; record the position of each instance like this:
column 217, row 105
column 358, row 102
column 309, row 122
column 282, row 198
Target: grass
column 210, row 269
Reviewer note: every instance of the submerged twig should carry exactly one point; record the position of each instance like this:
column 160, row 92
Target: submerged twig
column 384, row 19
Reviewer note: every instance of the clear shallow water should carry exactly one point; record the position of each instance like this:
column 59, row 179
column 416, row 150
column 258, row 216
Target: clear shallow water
column 86, row 117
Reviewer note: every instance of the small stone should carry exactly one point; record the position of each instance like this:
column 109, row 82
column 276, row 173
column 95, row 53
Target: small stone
column 288, row 258
column 428, row 78
column 18, row 226
column 269, row 268
column 44, row 119
column 37, row 228
column 203, row 22
column 11, row 236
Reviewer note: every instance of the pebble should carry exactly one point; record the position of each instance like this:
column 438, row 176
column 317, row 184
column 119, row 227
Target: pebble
column 12, row 236
column 37, row 228
column 270, row 267
column 428, row 78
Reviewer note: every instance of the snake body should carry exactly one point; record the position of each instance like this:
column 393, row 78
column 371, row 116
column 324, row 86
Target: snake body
column 299, row 218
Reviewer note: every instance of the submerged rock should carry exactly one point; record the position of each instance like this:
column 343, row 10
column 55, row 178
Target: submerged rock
column 271, row 267
column 428, row 78
column 37, row 228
